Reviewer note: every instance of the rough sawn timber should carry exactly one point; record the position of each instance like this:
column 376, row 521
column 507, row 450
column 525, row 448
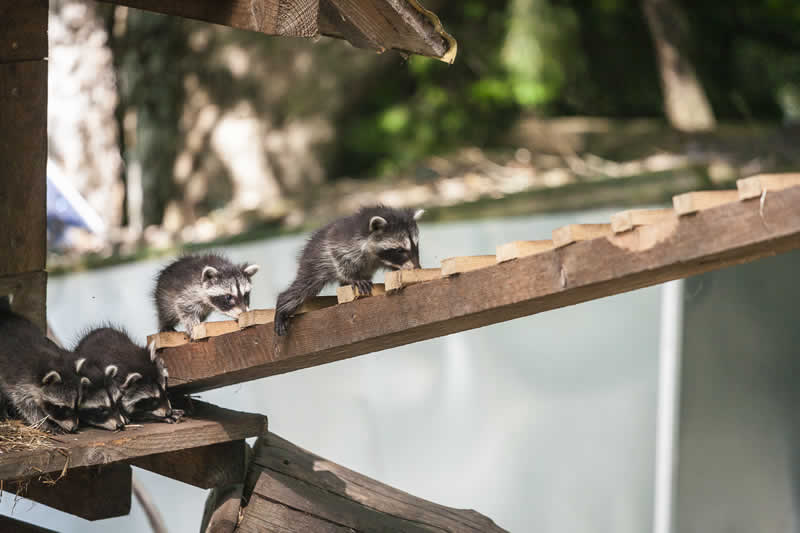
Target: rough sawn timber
column 586, row 270
column 292, row 490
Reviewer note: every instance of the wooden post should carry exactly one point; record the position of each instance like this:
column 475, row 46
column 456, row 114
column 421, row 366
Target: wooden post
column 23, row 150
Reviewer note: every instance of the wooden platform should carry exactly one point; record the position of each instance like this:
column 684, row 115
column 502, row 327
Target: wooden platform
column 206, row 426
column 677, row 247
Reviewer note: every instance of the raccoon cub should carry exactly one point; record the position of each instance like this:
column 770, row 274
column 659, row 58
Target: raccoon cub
column 138, row 373
column 97, row 405
column 37, row 378
column 349, row 251
column 190, row 288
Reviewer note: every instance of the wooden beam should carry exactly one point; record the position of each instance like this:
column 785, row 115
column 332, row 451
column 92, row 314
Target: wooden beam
column 753, row 186
column 204, row 330
column 92, row 493
column 571, row 233
column 168, row 339
column 397, row 279
column 222, row 509
column 351, row 293
column 206, row 467
column 459, row 265
column 692, row 202
column 297, row 491
column 27, row 292
column 23, row 30
column 517, row 249
column 17, row 526
column 627, row 220
column 649, row 255
column 255, row 317
column 206, row 425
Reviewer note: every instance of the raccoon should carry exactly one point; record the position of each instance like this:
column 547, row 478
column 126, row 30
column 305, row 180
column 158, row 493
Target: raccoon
column 98, row 405
column 36, row 377
column 190, row 288
column 349, row 251
column 139, row 374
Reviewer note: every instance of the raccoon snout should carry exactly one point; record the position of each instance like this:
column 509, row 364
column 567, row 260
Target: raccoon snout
column 69, row 426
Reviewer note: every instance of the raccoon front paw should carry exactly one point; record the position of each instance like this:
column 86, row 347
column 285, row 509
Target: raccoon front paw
column 281, row 324
column 175, row 417
column 364, row 286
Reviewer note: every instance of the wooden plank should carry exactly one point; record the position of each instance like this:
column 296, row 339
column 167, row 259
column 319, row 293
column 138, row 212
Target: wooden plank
column 627, row 220
column 23, row 30
column 351, row 293
column 254, row 317
column 579, row 232
column 692, row 202
column 23, row 103
column 221, row 513
column 168, row 339
column 517, row 249
column 92, row 493
column 206, row 467
column 292, row 479
column 204, row 330
column 27, row 293
column 205, row 426
column 649, row 255
column 397, row 279
column 459, row 265
column 17, row 526
column 753, row 186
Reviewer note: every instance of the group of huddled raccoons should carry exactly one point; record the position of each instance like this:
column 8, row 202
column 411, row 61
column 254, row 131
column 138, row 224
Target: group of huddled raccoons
column 108, row 380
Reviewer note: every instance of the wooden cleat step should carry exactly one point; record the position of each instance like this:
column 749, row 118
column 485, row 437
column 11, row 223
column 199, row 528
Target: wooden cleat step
column 457, row 265
column 517, row 249
column 753, row 186
column 168, row 339
column 627, row 220
column 350, row 293
column 398, row 279
column 692, row 202
column 255, row 317
column 214, row 329
column 566, row 235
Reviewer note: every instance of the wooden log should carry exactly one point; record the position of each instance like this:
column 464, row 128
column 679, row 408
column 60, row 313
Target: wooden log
column 205, row 426
column 571, row 233
column 515, row 250
column 222, row 510
column 459, row 265
column 351, row 293
column 397, row 279
column 17, row 526
column 207, row 467
column 27, row 292
column 92, row 493
column 692, row 202
column 753, row 186
column 23, row 30
column 168, row 339
column 627, row 220
column 204, row 330
column 296, row 491
column 730, row 234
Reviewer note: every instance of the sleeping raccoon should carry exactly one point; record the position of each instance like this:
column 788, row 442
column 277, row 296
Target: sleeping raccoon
column 190, row 288
column 349, row 251
column 36, row 376
column 98, row 403
column 139, row 374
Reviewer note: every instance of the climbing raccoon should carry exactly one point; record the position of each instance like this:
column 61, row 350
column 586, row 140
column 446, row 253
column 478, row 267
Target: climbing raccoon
column 349, row 251
column 190, row 288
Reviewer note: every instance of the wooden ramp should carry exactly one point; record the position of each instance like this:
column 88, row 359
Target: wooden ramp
column 711, row 230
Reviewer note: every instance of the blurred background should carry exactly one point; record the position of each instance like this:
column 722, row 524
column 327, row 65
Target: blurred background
column 168, row 134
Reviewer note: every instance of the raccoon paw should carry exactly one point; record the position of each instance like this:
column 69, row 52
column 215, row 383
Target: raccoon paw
column 175, row 417
column 281, row 324
column 364, row 286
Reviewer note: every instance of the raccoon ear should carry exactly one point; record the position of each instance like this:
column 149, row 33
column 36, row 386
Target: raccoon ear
column 377, row 223
column 111, row 371
column 79, row 364
column 85, row 382
column 152, row 348
column 51, row 377
column 132, row 378
column 209, row 273
column 250, row 270
column 418, row 214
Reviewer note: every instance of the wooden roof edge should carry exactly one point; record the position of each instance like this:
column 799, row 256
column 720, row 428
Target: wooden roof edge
column 676, row 247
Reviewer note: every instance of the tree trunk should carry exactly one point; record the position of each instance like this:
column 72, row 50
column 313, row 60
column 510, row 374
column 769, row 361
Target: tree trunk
column 685, row 103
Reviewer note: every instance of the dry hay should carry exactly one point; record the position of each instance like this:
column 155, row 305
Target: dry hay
column 16, row 436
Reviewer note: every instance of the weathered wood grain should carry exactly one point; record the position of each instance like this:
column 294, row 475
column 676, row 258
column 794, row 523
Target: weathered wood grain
column 254, row 317
column 517, row 249
column 627, row 220
column 17, row 526
column 351, row 293
column 459, row 265
column 692, row 202
column 92, row 493
column 222, row 508
column 28, row 293
column 207, row 467
column 649, row 255
column 572, row 233
column 207, row 425
column 397, row 279
column 289, row 479
column 23, row 30
column 168, row 339
column 204, row 330
column 753, row 186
